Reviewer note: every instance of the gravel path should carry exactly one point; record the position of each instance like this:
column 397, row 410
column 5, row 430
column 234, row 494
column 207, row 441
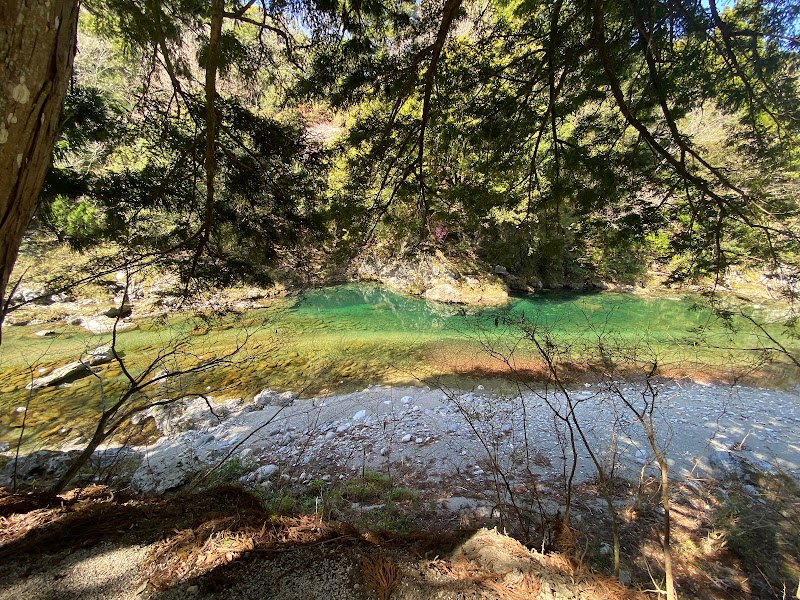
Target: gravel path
column 96, row 573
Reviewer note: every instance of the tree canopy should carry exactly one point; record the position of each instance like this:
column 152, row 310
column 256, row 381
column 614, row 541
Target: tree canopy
column 564, row 140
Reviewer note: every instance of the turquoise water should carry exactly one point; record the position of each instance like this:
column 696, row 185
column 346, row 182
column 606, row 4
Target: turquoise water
column 341, row 338
column 371, row 308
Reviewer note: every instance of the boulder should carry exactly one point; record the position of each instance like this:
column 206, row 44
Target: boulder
column 268, row 397
column 39, row 465
column 101, row 355
column 67, row 373
column 262, row 474
column 728, row 464
column 434, row 277
column 34, row 295
column 188, row 414
column 116, row 311
column 102, row 325
column 168, row 466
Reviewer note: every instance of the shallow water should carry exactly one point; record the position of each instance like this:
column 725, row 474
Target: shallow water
column 344, row 337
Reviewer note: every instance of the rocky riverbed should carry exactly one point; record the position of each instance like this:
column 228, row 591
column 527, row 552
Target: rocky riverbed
column 455, row 440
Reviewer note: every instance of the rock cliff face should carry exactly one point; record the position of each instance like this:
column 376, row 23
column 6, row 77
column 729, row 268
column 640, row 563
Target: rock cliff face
column 434, row 277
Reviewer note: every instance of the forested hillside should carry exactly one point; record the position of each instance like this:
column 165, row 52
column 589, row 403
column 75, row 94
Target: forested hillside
column 564, row 141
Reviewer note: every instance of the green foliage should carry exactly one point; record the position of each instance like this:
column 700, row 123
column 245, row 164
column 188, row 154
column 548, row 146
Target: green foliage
column 78, row 222
column 565, row 140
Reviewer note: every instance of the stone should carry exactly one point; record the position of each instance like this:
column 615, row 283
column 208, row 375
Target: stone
column 406, row 399
column 42, row 464
column 190, row 414
column 102, row 325
column 500, row 270
column 45, row 333
column 168, row 466
column 330, row 435
column 444, row 292
column 625, row 577
column 69, row 372
column 725, row 465
column 101, row 355
column 360, row 415
column 268, row 397
column 116, row 311
column 263, row 473
column 434, row 277
column 406, row 438
column 4, row 446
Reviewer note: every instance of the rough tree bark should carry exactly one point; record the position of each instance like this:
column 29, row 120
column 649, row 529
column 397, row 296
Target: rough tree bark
column 37, row 45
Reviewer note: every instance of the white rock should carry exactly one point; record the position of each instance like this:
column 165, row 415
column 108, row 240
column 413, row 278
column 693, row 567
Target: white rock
column 360, row 415
column 263, row 473
column 268, row 397
column 406, row 438
column 101, row 355
column 406, row 399
column 330, row 435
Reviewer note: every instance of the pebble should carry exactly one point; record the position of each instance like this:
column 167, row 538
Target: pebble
column 406, row 438
column 406, row 399
column 330, row 435
column 360, row 415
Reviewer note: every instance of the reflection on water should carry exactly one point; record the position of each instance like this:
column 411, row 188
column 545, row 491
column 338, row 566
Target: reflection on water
column 342, row 337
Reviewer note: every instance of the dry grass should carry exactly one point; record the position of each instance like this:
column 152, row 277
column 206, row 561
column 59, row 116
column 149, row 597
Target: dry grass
column 519, row 586
column 381, row 575
column 195, row 551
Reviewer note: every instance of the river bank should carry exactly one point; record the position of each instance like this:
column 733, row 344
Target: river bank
column 444, row 436
column 406, row 458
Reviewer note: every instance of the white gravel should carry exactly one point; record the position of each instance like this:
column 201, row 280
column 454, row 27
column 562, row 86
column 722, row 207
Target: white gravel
column 446, row 435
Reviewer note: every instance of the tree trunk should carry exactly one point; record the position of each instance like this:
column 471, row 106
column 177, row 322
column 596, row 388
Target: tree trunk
column 37, row 45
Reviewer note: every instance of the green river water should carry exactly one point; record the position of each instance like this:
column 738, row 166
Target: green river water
column 343, row 337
